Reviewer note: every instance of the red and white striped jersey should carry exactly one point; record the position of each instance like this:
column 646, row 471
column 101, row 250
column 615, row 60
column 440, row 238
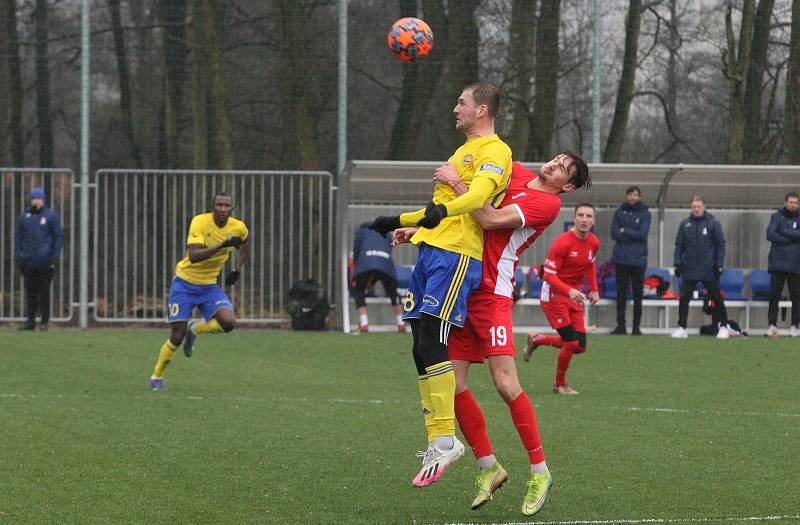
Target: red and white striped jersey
column 501, row 248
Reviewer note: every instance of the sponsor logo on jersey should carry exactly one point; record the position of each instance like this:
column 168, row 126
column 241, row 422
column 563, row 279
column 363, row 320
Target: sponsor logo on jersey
column 491, row 167
column 518, row 195
column 573, row 253
column 467, row 160
column 430, row 300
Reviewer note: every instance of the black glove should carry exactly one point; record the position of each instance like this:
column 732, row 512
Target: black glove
column 434, row 214
column 236, row 242
column 232, row 277
column 678, row 270
column 384, row 224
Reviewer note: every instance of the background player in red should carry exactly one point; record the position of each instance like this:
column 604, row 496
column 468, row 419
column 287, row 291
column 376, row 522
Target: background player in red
column 570, row 260
column 530, row 205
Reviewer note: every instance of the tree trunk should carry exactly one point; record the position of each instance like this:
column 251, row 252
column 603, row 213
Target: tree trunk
column 5, row 100
column 44, row 120
column 792, row 116
column 419, row 82
column 14, row 85
column 294, row 73
column 125, row 99
column 199, row 92
column 223, row 150
column 674, row 43
column 736, row 64
column 545, row 100
column 173, row 17
column 462, row 60
column 753, row 128
column 521, row 46
column 616, row 135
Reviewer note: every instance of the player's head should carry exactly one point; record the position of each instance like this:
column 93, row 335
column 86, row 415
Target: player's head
column 223, row 206
column 584, row 217
column 477, row 106
column 698, row 206
column 792, row 201
column 37, row 197
column 633, row 195
column 567, row 171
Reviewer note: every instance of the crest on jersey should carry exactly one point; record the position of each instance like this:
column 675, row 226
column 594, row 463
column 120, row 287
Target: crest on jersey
column 467, row 160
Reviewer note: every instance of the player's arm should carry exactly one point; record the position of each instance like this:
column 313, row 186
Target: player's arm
column 552, row 264
column 199, row 252
column 490, row 218
column 244, row 251
column 591, row 275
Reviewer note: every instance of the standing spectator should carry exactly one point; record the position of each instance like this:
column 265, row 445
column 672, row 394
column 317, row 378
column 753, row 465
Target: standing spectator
column 629, row 229
column 38, row 240
column 700, row 257
column 372, row 254
column 784, row 261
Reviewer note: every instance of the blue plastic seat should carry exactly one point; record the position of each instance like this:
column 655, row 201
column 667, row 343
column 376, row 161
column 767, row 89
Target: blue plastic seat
column 519, row 282
column 731, row 283
column 535, row 284
column 610, row 287
column 759, row 285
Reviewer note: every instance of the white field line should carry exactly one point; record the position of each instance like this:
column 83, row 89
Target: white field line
column 346, row 401
column 724, row 519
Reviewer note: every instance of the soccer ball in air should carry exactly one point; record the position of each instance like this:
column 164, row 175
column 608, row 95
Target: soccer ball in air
column 410, row 38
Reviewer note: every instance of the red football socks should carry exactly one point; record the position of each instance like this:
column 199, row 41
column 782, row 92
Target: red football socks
column 524, row 417
column 567, row 350
column 472, row 424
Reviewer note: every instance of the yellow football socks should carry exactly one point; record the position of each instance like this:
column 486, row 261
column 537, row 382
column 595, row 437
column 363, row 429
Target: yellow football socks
column 164, row 357
column 442, row 384
column 427, row 406
column 209, row 327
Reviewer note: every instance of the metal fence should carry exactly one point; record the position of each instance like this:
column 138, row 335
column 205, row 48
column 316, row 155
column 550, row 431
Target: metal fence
column 15, row 188
column 140, row 220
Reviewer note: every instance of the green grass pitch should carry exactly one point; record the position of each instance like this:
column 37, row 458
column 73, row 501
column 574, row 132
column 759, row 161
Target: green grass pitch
column 296, row 428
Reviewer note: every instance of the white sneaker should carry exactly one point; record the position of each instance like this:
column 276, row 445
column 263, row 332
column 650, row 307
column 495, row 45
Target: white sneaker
column 680, row 333
column 722, row 332
column 793, row 331
column 772, row 331
column 436, row 461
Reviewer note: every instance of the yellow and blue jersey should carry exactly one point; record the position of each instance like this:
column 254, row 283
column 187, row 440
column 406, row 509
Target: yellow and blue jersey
column 479, row 157
column 205, row 232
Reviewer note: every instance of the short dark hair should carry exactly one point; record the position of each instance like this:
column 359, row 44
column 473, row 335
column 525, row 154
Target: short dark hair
column 581, row 178
column 220, row 194
column 698, row 198
column 586, row 205
column 632, row 189
column 791, row 194
column 488, row 94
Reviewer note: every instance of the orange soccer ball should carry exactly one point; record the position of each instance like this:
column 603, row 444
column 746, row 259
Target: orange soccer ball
column 410, row 38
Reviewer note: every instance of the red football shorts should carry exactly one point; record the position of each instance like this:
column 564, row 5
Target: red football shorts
column 488, row 330
column 562, row 311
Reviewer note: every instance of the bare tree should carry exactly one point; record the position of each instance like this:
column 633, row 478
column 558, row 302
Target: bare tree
column 521, row 49
column 125, row 99
column 43, row 118
column 14, row 84
column 462, row 59
column 792, row 115
column 736, row 64
column 545, row 99
column 173, row 17
column 625, row 91
column 753, row 126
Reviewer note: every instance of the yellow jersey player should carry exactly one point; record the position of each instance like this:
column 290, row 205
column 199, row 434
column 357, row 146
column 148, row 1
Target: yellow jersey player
column 448, row 266
column 212, row 238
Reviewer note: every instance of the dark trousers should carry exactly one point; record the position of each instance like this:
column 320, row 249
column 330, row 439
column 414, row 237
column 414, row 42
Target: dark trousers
column 37, row 292
column 362, row 280
column 718, row 315
column 634, row 275
column 776, row 288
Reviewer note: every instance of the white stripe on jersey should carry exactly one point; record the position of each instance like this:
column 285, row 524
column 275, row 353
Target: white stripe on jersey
column 508, row 259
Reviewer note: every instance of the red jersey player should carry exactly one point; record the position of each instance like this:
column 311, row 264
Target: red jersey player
column 530, row 205
column 570, row 260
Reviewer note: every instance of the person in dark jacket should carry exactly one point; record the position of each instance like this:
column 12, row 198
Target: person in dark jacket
column 372, row 254
column 629, row 229
column 700, row 257
column 784, row 261
column 38, row 241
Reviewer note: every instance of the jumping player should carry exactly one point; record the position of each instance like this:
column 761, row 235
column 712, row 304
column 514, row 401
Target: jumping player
column 448, row 266
column 212, row 238
column 570, row 260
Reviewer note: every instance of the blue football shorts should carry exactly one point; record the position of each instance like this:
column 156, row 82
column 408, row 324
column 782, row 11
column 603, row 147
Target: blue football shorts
column 440, row 285
column 185, row 297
